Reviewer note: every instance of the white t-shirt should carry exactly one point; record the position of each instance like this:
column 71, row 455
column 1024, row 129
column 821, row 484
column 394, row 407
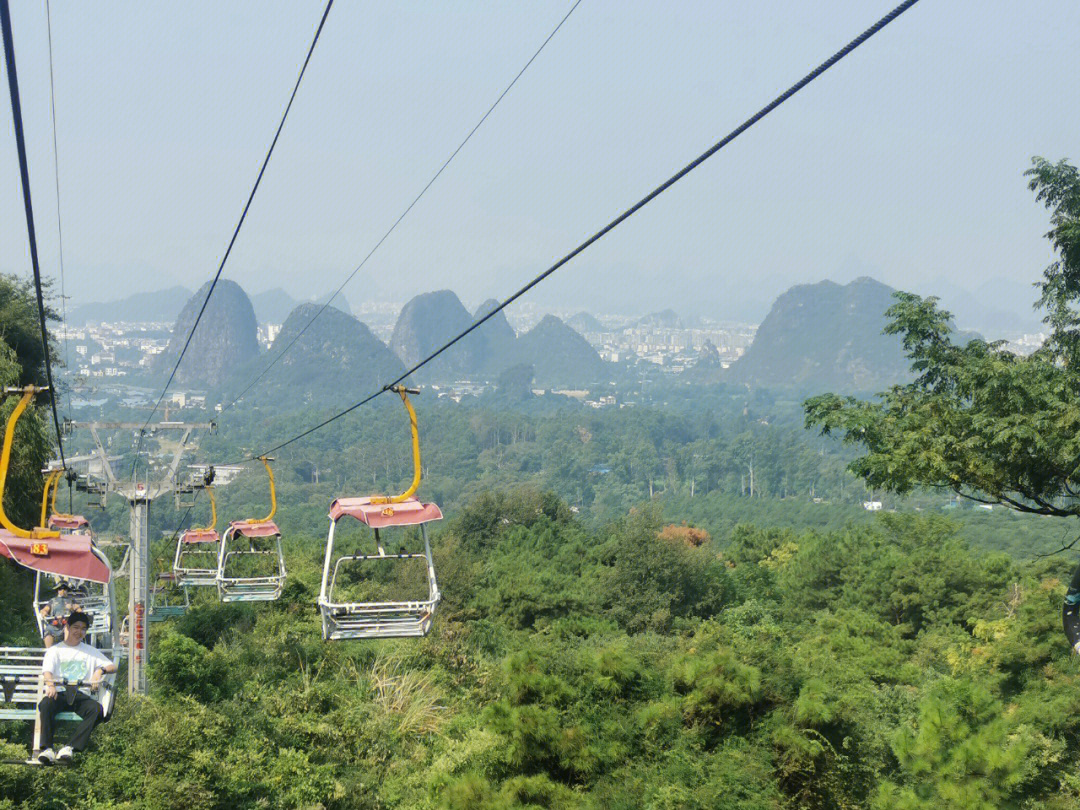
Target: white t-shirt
column 73, row 663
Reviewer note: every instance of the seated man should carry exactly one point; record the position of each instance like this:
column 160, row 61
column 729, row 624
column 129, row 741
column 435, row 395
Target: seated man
column 71, row 660
column 55, row 612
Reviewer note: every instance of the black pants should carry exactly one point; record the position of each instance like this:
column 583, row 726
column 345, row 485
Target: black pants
column 86, row 707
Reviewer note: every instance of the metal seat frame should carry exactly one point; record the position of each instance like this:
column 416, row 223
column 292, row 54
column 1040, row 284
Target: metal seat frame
column 187, row 574
column 381, row 619
column 248, row 589
column 158, row 613
column 101, row 608
column 195, row 543
column 387, row 619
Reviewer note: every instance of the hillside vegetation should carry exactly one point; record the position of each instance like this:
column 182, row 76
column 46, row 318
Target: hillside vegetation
column 883, row 666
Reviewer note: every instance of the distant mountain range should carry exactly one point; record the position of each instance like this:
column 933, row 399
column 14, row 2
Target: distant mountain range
column 336, row 358
column 158, row 306
column 163, row 306
column 823, row 336
column 826, row 337
column 337, row 353
column 273, row 306
column 667, row 319
column 997, row 306
column 557, row 354
column 584, row 323
column 224, row 339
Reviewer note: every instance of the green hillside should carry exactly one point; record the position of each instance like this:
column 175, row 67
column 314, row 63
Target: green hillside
column 824, row 337
column 335, row 357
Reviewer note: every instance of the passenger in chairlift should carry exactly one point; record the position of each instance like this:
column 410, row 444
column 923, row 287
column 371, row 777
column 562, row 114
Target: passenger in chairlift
column 55, row 613
column 71, row 661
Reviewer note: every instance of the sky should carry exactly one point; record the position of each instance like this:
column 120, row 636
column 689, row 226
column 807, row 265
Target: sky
column 904, row 162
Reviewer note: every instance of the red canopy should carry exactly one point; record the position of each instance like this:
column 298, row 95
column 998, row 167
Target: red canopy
column 260, row 528
column 69, row 556
column 67, row 522
column 199, row 536
column 380, row 515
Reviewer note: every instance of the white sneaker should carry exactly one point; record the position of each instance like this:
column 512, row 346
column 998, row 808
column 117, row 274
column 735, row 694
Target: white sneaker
column 65, row 754
column 47, row 757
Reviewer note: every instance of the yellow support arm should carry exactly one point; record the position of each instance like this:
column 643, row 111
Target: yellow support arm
column 5, row 461
column 403, row 392
column 52, row 479
column 213, row 511
column 273, row 493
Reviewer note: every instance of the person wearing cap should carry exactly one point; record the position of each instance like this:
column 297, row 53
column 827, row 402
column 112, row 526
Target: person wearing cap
column 55, row 612
column 71, row 660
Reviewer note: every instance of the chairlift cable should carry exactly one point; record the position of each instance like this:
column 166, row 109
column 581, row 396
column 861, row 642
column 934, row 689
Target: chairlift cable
column 24, row 174
column 404, row 213
column 59, row 227
column 656, row 192
column 56, row 176
column 239, row 224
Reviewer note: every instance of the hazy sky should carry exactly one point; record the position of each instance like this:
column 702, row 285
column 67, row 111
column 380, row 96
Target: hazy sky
column 904, row 162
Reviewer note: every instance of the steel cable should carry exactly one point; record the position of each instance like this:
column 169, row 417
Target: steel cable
column 236, row 232
column 656, row 192
column 24, row 175
column 404, row 213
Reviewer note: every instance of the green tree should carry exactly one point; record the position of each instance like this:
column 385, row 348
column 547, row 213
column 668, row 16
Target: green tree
column 978, row 420
column 21, row 330
column 961, row 754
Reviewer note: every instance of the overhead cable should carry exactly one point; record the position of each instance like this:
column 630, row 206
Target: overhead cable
column 59, row 228
column 404, row 213
column 652, row 195
column 243, row 215
column 24, row 175
column 56, row 175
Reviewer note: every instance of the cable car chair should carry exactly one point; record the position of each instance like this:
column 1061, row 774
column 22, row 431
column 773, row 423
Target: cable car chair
column 165, row 600
column 95, row 599
column 198, row 552
column 49, row 554
column 263, row 541
column 344, row 619
column 61, row 522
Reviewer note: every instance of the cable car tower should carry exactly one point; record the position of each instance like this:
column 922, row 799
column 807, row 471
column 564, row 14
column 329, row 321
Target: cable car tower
column 138, row 495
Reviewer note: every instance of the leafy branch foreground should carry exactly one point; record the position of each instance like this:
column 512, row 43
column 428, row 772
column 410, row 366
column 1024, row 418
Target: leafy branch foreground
column 978, row 420
column 882, row 666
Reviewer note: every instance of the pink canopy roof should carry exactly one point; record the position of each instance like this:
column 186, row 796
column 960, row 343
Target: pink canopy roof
column 199, row 536
column 68, row 556
column 67, row 522
column 379, row 515
column 260, row 528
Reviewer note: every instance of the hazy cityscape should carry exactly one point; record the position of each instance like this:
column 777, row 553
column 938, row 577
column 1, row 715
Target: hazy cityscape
column 123, row 352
